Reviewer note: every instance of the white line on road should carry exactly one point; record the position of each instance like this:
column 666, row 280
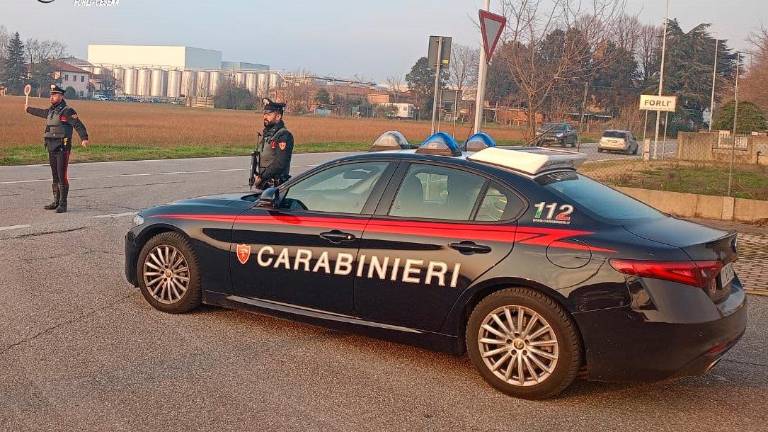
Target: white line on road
column 130, row 175
column 13, row 227
column 115, row 215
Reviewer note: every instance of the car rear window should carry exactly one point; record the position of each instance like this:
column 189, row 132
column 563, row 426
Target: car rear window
column 614, row 134
column 596, row 198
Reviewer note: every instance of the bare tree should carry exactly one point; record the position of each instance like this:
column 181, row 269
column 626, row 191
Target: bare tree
column 395, row 82
column 552, row 42
column 649, row 38
column 463, row 69
column 754, row 88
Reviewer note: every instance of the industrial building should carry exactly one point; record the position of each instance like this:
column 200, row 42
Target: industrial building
column 174, row 72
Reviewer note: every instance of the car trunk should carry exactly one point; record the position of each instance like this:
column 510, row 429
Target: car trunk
column 700, row 244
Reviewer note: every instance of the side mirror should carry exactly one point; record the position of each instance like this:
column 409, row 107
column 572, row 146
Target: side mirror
column 269, row 198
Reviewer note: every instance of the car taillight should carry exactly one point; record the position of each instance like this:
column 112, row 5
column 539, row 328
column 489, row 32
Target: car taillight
column 697, row 273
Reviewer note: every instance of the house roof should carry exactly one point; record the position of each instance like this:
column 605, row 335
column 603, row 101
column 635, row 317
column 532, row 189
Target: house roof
column 60, row 66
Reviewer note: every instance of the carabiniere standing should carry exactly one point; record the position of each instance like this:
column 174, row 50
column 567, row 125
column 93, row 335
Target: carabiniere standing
column 61, row 119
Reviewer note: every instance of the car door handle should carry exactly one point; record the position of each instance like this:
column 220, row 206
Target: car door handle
column 469, row 247
column 337, row 236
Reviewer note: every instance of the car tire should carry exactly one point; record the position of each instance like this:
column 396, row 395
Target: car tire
column 528, row 374
column 636, row 147
column 168, row 273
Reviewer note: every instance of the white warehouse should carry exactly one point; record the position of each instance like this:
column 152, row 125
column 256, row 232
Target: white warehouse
column 175, row 71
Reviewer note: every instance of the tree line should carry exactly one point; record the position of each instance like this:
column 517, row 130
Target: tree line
column 27, row 62
column 563, row 57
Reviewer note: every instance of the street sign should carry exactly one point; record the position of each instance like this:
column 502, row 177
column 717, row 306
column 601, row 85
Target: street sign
column 491, row 26
column 658, row 103
column 443, row 43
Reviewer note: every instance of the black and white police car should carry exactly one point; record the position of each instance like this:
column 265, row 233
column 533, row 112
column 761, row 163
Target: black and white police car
column 536, row 271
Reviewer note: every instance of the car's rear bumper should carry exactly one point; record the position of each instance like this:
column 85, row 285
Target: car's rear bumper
column 627, row 344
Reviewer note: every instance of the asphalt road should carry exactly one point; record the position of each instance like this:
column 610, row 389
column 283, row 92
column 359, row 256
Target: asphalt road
column 81, row 350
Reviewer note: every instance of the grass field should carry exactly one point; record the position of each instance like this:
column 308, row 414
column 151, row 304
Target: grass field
column 126, row 131
column 749, row 181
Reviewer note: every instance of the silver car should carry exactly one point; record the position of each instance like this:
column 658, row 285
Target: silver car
column 618, row 141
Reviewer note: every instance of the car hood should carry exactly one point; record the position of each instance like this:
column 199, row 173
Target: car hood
column 241, row 200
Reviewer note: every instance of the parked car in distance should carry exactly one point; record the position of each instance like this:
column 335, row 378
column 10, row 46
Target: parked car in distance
column 559, row 133
column 618, row 140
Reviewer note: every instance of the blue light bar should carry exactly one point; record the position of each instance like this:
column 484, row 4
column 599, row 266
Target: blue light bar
column 440, row 143
column 479, row 141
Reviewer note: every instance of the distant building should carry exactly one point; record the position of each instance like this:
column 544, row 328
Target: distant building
column 71, row 76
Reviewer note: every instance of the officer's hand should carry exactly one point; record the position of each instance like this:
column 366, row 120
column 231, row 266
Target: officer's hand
column 84, row 143
column 256, row 180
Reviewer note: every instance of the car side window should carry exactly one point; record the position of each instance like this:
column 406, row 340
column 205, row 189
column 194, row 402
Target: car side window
column 436, row 192
column 340, row 189
column 498, row 204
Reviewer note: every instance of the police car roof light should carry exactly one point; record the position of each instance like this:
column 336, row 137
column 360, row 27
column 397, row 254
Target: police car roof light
column 440, row 143
column 479, row 141
column 530, row 160
column 391, row 140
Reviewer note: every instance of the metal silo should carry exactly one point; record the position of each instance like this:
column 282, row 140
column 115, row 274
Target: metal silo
column 157, row 87
column 263, row 85
column 215, row 77
column 143, row 82
column 274, row 80
column 240, row 79
column 202, row 84
column 251, row 83
column 174, row 84
column 188, row 83
column 129, row 81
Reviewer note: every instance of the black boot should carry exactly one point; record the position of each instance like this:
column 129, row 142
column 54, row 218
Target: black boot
column 55, row 203
column 63, row 191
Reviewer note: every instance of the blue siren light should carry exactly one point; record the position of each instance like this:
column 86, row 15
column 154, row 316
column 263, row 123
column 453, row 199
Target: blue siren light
column 391, row 140
column 479, row 141
column 440, row 143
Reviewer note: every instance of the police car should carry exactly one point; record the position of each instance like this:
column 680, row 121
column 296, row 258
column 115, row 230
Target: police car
column 538, row 272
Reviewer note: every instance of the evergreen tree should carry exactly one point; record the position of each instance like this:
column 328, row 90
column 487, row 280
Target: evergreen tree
column 15, row 73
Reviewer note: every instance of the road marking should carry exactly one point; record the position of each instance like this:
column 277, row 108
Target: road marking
column 24, row 181
column 13, row 227
column 115, row 215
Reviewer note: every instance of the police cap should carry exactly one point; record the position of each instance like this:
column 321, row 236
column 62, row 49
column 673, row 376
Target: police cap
column 271, row 106
column 57, row 89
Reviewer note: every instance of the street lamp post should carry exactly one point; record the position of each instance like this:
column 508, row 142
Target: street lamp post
column 661, row 81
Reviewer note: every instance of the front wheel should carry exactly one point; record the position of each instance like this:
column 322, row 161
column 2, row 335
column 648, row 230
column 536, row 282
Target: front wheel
column 168, row 273
column 523, row 343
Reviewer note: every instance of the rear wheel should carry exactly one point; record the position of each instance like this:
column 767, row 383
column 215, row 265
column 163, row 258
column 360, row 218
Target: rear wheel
column 168, row 273
column 523, row 343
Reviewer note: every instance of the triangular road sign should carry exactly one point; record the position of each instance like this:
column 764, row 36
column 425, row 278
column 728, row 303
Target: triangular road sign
column 491, row 26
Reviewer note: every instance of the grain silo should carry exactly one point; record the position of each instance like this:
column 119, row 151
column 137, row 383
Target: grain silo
column 189, row 83
column 203, row 81
column 215, row 81
column 143, row 82
column 129, row 81
column 174, row 84
column 251, row 83
column 157, row 86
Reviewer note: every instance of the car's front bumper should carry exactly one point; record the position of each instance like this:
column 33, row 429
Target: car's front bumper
column 629, row 343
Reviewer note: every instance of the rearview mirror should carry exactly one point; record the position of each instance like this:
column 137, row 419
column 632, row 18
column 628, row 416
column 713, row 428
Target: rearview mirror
column 270, row 198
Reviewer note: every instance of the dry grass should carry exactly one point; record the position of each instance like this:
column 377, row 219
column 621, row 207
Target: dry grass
column 156, row 125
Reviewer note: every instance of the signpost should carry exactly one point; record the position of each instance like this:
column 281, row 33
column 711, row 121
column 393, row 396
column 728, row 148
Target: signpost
column 659, row 103
column 491, row 26
column 438, row 56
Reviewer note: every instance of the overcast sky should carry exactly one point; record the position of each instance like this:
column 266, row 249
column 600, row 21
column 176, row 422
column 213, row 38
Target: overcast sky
column 373, row 39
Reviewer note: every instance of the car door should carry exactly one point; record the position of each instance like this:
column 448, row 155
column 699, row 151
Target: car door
column 303, row 253
column 436, row 229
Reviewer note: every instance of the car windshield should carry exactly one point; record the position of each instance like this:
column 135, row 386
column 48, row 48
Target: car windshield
column 614, row 134
column 596, row 198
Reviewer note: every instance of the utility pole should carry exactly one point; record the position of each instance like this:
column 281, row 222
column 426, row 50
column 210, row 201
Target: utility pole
column 583, row 108
column 712, row 101
column 661, row 80
column 481, row 73
column 735, row 120
column 437, row 82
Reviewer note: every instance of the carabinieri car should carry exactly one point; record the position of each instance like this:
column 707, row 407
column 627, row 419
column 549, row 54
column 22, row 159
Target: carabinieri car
column 538, row 272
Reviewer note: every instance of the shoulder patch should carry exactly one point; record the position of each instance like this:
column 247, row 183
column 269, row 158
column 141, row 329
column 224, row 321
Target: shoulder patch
column 282, row 145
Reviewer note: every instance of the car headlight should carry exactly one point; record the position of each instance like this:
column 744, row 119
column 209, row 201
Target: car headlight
column 138, row 220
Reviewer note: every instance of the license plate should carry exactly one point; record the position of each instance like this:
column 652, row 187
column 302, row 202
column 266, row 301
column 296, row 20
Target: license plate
column 726, row 275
